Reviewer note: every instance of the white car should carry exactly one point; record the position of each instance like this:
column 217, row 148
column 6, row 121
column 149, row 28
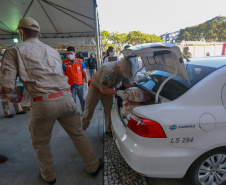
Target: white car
column 184, row 131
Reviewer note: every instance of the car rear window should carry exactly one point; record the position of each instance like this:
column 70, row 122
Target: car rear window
column 175, row 87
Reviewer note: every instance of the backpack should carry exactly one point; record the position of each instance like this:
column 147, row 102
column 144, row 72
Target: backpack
column 92, row 63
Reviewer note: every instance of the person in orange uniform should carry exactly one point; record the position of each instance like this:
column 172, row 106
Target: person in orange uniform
column 75, row 69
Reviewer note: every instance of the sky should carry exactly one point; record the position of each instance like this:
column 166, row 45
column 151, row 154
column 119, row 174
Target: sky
column 156, row 17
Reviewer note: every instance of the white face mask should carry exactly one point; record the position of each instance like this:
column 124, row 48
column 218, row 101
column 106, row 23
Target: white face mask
column 71, row 57
column 21, row 36
column 112, row 53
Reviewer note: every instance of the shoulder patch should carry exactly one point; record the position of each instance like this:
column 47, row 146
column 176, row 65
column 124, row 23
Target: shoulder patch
column 105, row 82
column 67, row 64
column 107, row 77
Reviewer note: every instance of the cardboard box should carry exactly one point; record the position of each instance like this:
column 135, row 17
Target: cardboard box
column 112, row 59
column 26, row 106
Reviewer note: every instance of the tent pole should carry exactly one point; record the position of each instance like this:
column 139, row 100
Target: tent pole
column 97, row 34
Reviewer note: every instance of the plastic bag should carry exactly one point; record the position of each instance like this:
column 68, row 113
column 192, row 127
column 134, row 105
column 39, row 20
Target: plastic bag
column 18, row 95
column 135, row 94
column 127, row 108
column 137, row 97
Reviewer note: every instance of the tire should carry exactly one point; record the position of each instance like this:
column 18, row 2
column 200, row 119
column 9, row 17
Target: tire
column 209, row 169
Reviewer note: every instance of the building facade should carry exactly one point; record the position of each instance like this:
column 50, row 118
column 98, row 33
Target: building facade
column 170, row 37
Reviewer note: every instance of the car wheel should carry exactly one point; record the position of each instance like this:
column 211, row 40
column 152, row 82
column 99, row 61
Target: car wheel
column 209, row 169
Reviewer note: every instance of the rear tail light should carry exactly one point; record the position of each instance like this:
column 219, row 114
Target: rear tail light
column 145, row 127
column 139, row 173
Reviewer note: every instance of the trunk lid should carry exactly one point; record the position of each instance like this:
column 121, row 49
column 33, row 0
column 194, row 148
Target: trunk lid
column 159, row 56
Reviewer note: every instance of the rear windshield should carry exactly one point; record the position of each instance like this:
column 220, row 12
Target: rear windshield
column 175, row 87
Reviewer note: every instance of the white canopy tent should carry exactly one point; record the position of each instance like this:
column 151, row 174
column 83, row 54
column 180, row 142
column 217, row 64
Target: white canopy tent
column 62, row 22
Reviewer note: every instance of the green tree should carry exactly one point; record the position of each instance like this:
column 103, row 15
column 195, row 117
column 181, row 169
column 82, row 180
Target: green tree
column 106, row 39
column 211, row 30
column 105, row 35
column 137, row 37
column 119, row 40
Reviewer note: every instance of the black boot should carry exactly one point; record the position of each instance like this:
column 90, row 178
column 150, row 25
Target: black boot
column 3, row 158
column 101, row 165
column 49, row 182
column 9, row 116
column 22, row 112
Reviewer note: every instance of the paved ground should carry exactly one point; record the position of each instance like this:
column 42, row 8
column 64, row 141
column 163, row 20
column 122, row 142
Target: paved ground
column 116, row 170
column 22, row 167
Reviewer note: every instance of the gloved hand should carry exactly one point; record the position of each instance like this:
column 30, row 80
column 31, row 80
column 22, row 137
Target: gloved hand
column 86, row 87
column 122, row 94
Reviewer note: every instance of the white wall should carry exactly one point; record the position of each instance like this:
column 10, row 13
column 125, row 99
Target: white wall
column 200, row 51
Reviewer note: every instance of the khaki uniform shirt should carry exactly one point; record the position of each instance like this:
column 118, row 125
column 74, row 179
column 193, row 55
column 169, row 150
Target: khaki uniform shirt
column 107, row 76
column 39, row 68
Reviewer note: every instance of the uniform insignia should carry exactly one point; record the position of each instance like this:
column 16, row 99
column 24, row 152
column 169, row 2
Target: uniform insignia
column 105, row 83
column 67, row 64
column 108, row 77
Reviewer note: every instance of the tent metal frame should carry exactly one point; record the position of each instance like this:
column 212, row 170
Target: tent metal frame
column 11, row 31
column 48, row 16
column 53, row 5
column 28, row 8
column 95, row 32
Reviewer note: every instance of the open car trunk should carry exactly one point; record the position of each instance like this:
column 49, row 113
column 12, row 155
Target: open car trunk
column 166, row 77
column 119, row 104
